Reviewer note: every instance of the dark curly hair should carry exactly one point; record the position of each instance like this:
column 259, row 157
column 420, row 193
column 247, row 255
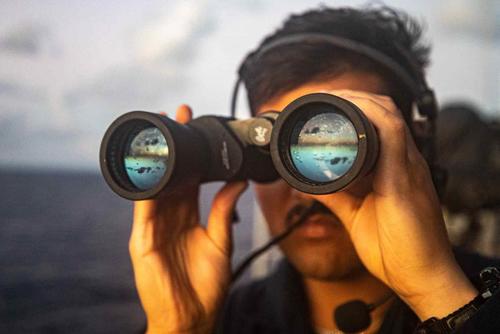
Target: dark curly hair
column 289, row 66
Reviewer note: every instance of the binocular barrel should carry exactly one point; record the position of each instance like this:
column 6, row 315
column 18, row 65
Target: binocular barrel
column 319, row 144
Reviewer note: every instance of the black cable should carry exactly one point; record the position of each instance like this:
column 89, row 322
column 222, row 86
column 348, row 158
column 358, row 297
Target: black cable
column 234, row 97
column 250, row 258
column 380, row 302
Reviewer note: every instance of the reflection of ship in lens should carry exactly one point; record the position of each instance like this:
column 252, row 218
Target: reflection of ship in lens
column 146, row 159
column 325, row 148
column 323, row 163
column 337, row 160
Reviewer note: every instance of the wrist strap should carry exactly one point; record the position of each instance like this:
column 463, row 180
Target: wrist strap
column 490, row 279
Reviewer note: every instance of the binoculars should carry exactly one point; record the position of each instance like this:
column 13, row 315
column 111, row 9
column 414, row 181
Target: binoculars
column 319, row 144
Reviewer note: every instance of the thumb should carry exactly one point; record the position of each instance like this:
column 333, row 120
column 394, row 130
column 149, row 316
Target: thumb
column 343, row 204
column 220, row 217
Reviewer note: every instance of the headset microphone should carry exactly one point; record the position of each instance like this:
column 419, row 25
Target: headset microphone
column 354, row 316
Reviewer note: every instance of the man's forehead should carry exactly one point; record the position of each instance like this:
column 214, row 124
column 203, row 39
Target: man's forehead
column 359, row 81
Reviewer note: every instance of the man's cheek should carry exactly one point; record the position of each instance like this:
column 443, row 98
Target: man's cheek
column 273, row 199
column 272, row 193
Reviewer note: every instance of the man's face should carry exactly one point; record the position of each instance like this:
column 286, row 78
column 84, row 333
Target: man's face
column 321, row 247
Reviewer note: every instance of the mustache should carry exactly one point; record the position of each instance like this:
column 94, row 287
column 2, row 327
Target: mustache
column 314, row 207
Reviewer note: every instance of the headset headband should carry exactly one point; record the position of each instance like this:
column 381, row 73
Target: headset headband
column 414, row 81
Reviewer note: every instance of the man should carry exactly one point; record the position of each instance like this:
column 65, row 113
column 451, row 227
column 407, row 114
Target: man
column 383, row 236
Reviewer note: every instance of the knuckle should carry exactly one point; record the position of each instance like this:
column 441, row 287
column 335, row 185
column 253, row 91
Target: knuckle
column 395, row 123
column 386, row 98
column 382, row 98
column 389, row 104
column 132, row 247
column 219, row 209
column 422, row 162
column 422, row 171
column 137, row 245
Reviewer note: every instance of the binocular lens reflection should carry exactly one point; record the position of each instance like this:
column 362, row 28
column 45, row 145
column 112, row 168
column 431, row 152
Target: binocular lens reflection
column 325, row 147
column 146, row 158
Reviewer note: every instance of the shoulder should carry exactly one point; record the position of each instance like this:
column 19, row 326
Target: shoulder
column 249, row 297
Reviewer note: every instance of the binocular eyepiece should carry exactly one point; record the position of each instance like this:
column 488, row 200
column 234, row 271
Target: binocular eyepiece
column 319, row 144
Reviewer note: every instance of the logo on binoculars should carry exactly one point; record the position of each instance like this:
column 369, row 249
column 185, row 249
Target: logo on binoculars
column 260, row 134
column 225, row 156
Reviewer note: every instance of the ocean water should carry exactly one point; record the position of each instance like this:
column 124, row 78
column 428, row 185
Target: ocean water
column 145, row 172
column 323, row 163
column 64, row 253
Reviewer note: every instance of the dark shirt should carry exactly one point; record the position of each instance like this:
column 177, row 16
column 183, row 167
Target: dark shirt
column 278, row 304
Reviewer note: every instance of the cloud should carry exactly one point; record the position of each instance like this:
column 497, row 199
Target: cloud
column 27, row 39
column 165, row 47
column 172, row 36
column 43, row 123
column 118, row 90
column 477, row 18
column 14, row 91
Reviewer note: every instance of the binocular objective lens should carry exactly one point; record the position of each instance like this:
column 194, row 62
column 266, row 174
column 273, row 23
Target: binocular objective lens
column 324, row 147
column 146, row 158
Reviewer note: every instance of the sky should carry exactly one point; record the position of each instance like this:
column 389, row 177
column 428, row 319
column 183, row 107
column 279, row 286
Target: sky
column 69, row 68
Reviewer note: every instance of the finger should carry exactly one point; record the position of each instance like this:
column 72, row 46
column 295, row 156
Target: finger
column 220, row 217
column 414, row 158
column 391, row 129
column 386, row 102
column 384, row 114
column 344, row 212
column 141, row 237
column 392, row 165
column 175, row 214
column 161, row 220
column 144, row 210
column 183, row 114
column 382, row 99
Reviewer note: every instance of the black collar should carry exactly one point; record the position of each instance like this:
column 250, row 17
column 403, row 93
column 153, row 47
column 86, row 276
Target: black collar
column 290, row 308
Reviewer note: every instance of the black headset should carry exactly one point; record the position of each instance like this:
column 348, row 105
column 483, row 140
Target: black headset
column 414, row 81
column 411, row 77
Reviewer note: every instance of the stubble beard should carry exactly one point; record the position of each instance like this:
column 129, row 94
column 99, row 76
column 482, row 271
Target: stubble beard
column 326, row 259
column 322, row 260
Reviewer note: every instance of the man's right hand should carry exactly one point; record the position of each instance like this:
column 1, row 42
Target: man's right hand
column 182, row 269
